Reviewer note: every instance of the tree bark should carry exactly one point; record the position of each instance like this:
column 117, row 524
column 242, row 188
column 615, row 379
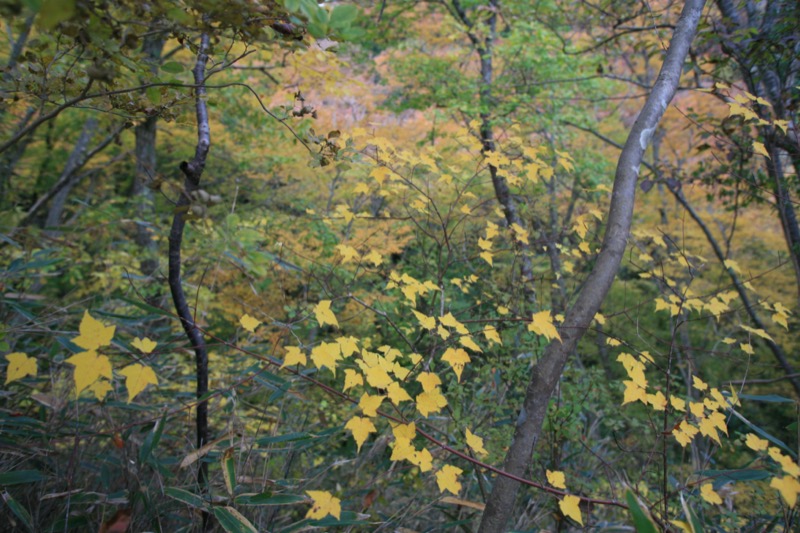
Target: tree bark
column 193, row 171
column 546, row 374
column 75, row 160
column 145, row 151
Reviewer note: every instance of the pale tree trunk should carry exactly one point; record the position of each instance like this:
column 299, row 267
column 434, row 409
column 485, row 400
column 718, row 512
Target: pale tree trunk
column 75, row 160
column 546, row 374
column 146, row 163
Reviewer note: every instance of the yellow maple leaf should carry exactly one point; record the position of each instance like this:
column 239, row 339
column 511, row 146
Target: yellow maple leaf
column 405, row 431
column 423, row 459
column 144, row 345
column 599, row 318
column 476, row 443
column 447, row 479
column 757, row 331
column 397, row 393
column 467, row 342
column 137, row 377
column 451, row 322
column 709, row 494
column 324, row 314
column 93, row 334
column 429, row 380
column 520, row 233
column 788, row 486
column 755, row 443
column 457, row 358
column 747, row 348
column 760, row 149
column 326, row 354
column 374, row 257
column 100, row 389
column 369, row 404
column 377, row 377
column 779, row 318
column 360, row 427
column 685, row 433
column 427, row 322
column 709, row 429
column 542, row 324
column 699, row 384
column 19, row 366
column 787, row 463
column 633, row 392
column 698, row 409
column 430, row 401
column 570, row 506
column 658, row 401
column 324, row 504
column 348, row 345
column 491, row 335
column 348, row 253
column 89, row 367
column 679, row 404
column 294, row 356
column 403, row 449
column 556, row 479
column 351, row 379
column 487, row 256
column 249, row 323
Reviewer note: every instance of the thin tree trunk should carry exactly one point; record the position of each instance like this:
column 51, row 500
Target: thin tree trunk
column 484, row 46
column 777, row 351
column 193, row 171
column 546, row 374
column 75, row 160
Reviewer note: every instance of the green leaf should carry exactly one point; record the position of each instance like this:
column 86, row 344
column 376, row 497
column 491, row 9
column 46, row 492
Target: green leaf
column 721, row 477
column 317, row 31
column 266, row 498
column 342, row 16
column 641, row 521
column 19, row 511
column 232, row 521
column 228, row 470
column 20, row 477
column 151, row 440
column 173, row 67
column 770, row 398
column 154, row 95
column 55, row 11
column 184, row 496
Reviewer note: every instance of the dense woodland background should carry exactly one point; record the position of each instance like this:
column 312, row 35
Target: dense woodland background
column 289, row 266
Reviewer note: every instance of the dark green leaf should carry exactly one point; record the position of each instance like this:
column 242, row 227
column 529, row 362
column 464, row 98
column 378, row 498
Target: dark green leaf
column 232, row 521
column 185, row 496
column 267, row 498
column 641, row 521
column 19, row 511
column 21, row 476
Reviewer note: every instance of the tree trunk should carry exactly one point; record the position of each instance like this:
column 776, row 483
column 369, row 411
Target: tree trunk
column 193, row 171
column 145, row 152
column 546, row 374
